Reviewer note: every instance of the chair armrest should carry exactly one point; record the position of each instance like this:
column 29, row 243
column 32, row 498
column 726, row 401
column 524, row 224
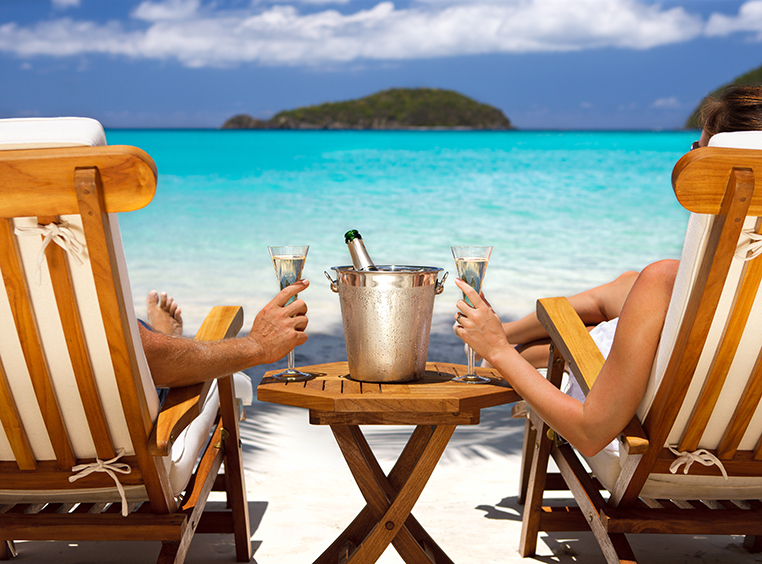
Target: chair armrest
column 223, row 322
column 634, row 438
column 570, row 336
column 183, row 405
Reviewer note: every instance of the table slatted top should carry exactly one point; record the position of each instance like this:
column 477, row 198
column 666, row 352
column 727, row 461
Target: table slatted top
column 332, row 390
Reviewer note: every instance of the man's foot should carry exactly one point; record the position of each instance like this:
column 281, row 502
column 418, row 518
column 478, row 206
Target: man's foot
column 164, row 315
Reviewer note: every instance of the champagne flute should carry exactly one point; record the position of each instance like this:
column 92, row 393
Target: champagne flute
column 288, row 262
column 471, row 263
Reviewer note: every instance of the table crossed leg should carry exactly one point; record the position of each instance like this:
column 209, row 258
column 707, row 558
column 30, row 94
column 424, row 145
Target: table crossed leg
column 387, row 519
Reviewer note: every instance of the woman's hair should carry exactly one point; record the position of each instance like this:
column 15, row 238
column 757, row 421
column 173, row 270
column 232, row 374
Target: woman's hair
column 737, row 108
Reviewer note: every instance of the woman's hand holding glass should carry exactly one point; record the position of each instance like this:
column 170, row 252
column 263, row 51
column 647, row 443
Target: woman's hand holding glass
column 479, row 326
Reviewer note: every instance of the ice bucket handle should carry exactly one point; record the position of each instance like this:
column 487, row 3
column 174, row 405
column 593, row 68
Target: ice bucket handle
column 335, row 287
column 440, row 284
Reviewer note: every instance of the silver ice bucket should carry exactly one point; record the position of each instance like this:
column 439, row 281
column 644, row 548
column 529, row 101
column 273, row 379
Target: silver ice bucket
column 387, row 319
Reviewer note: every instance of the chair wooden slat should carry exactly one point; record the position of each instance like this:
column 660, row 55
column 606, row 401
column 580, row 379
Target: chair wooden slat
column 26, row 326
column 744, row 300
column 106, row 526
column 95, row 222
column 741, row 419
column 676, row 520
column 13, row 427
column 83, row 371
column 742, row 464
column 47, row 476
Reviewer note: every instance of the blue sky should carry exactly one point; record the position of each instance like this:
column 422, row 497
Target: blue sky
column 548, row 64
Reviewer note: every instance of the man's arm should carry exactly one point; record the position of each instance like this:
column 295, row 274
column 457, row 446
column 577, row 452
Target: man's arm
column 278, row 328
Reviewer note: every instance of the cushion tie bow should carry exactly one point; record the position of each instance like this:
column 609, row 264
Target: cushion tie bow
column 753, row 246
column 702, row 456
column 109, row 468
column 58, row 233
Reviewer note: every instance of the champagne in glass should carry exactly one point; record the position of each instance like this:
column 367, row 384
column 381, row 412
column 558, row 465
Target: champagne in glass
column 288, row 262
column 288, row 269
column 471, row 263
column 472, row 270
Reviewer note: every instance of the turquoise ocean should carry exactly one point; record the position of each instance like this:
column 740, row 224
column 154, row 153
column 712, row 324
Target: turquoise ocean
column 563, row 210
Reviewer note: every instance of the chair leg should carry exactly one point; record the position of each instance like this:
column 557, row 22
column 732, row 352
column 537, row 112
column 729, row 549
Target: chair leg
column 234, row 474
column 622, row 551
column 542, row 444
column 753, row 543
column 530, row 523
column 170, row 553
column 239, row 506
column 530, row 437
column 7, row 550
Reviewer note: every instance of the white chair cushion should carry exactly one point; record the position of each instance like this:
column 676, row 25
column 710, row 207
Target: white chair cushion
column 48, row 133
column 737, row 140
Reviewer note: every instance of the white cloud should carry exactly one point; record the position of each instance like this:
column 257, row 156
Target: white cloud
column 167, row 10
column 669, row 103
column 749, row 19
column 67, row 37
column 199, row 35
column 306, row 1
column 63, row 4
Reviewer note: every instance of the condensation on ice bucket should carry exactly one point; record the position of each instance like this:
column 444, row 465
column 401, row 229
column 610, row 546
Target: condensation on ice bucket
column 387, row 319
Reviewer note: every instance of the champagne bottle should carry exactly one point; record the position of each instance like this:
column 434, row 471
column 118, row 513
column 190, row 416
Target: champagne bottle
column 360, row 257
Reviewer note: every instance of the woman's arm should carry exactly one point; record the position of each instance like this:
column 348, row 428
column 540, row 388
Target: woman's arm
column 620, row 386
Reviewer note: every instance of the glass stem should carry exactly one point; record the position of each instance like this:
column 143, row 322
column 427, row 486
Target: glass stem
column 471, row 361
column 291, row 360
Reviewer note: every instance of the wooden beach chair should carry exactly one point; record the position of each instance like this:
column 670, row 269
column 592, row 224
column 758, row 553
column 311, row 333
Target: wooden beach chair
column 86, row 451
column 690, row 462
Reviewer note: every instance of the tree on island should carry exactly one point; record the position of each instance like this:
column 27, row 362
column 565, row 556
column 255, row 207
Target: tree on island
column 397, row 108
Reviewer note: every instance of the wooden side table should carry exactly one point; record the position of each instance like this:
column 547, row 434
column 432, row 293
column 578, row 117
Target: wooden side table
column 434, row 405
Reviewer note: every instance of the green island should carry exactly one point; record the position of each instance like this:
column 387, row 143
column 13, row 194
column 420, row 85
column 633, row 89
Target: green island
column 397, row 108
column 751, row 77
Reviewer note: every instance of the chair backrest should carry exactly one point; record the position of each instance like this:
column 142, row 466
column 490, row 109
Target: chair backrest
column 706, row 382
column 74, row 383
